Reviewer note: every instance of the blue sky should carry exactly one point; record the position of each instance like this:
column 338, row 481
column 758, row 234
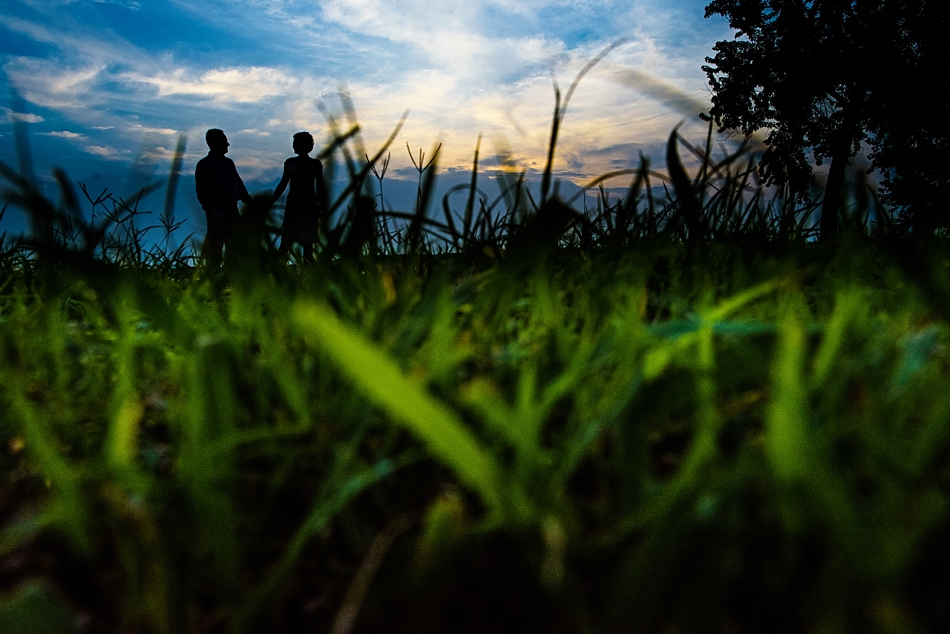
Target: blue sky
column 111, row 84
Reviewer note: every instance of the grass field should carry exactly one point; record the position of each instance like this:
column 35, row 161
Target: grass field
column 679, row 415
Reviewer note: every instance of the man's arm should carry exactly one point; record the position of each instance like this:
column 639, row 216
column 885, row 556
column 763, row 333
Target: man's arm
column 201, row 185
column 240, row 189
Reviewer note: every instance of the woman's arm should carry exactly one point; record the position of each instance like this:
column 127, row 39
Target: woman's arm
column 322, row 195
column 281, row 186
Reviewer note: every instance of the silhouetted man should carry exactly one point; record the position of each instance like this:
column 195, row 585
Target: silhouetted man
column 219, row 188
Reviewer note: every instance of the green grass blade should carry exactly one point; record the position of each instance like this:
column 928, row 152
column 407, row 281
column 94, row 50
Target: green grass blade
column 67, row 509
column 787, row 443
column 331, row 501
column 407, row 402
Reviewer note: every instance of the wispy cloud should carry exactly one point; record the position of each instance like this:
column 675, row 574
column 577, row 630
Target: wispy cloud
column 142, row 129
column 65, row 134
column 106, row 152
column 9, row 116
column 157, row 154
column 447, row 35
column 223, row 85
column 129, row 4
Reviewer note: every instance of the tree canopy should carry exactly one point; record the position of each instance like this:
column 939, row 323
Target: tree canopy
column 911, row 117
column 825, row 76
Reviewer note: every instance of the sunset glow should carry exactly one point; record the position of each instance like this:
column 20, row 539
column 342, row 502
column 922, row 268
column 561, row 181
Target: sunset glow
column 108, row 82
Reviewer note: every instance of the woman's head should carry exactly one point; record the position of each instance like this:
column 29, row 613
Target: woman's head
column 303, row 143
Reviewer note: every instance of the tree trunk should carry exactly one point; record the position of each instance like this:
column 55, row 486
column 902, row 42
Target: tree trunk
column 828, row 223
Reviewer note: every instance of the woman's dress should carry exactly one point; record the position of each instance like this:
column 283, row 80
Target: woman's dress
column 302, row 213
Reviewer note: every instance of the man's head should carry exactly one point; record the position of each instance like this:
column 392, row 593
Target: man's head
column 217, row 141
column 303, row 143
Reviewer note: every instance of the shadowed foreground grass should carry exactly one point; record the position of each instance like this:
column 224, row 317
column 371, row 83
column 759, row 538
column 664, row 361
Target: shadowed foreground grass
column 666, row 440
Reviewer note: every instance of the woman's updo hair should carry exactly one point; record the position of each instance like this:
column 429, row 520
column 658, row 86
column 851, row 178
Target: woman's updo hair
column 303, row 140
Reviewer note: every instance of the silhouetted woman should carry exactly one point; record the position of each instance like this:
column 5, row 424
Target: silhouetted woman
column 302, row 212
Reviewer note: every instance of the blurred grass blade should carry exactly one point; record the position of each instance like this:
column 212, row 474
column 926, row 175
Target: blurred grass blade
column 21, row 137
column 66, row 508
column 848, row 307
column 470, row 202
column 686, row 196
column 787, row 444
column 210, row 416
column 333, row 498
column 126, row 407
column 173, row 176
column 560, row 110
column 37, row 608
column 407, row 402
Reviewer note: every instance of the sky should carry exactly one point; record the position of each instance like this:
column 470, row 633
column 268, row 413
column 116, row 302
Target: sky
column 108, row 86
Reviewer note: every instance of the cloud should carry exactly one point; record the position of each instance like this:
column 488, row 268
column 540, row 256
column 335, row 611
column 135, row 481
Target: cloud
column 447, row 35
column 129, row 4
column 106, row 152
column 240, row 85
column 157, row 154
column 46, row 4
column 79, row 76
column 249, row 161
column 9, row 116
column 139, row 128
column 47, row 83
column 65, row 134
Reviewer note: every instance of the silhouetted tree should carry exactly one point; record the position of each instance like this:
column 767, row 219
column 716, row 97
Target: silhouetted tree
column 910, row 121
column 825, row 75
column 797, row 68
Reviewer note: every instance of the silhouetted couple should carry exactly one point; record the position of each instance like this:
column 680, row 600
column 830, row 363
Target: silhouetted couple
column 219, row 188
